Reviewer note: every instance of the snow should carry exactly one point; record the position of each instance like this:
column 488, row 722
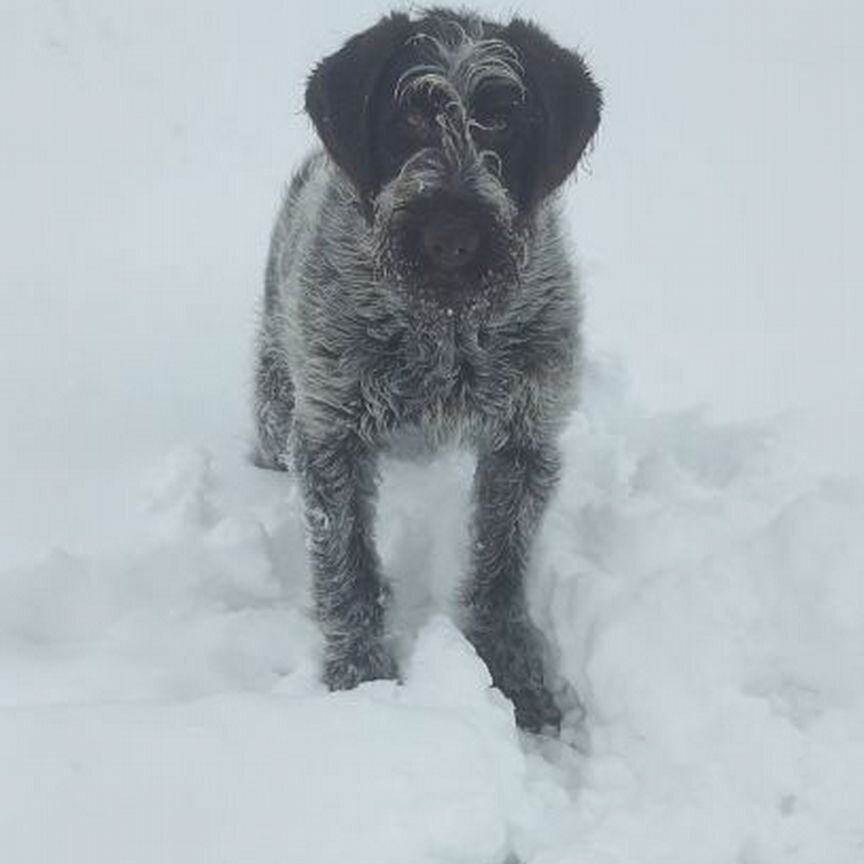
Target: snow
column 415, row 772
column 699, row 573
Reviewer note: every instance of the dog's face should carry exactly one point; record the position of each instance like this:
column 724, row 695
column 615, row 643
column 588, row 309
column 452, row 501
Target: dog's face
column 452, row 131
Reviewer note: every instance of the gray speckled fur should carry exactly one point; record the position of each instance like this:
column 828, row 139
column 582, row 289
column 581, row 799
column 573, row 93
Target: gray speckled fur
column 352, row 358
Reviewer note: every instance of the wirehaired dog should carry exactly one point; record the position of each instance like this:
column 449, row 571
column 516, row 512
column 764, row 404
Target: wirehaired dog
column 418, row 284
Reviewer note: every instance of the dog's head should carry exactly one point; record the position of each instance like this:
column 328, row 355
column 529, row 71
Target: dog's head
column 452, row 130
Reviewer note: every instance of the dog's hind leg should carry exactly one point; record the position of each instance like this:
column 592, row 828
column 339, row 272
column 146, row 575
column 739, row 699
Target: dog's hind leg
column 274, row 412
column 274, row 398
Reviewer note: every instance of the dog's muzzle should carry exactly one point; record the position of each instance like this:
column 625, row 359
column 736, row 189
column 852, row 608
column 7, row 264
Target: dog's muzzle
column 455, row 242
column 450, row 242
column 453, row 247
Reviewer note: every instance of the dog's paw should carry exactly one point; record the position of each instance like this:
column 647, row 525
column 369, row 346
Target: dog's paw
column 514, row 654
column 348, row 664
column 536, row 710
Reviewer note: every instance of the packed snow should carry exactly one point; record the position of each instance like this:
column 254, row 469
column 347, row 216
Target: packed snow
column 700, row 572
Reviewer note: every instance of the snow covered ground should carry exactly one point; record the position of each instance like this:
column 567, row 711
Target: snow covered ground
column 700, row 571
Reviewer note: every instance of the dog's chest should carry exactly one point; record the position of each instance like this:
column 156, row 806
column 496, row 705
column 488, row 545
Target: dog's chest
column 446, row 374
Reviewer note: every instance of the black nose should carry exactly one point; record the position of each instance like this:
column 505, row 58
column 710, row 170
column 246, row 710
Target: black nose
column 450, row 241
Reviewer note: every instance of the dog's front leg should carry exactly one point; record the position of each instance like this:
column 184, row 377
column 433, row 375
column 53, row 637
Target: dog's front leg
column 338, row 480
column 512, row 486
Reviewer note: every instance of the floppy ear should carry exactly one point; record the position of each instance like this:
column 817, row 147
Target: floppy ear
column 569, row 100
column 340, row 93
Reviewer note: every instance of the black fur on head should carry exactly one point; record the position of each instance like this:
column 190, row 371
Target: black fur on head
column 355, row 98
column 340, row 93
column 568, row 97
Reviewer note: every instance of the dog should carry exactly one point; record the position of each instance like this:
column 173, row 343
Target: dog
column 418, row 286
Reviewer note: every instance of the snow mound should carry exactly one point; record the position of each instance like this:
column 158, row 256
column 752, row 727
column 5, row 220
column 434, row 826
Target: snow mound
column 415, row 773
column 160, row 699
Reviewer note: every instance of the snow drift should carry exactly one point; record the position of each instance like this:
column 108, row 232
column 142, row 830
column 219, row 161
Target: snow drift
column 160, row 699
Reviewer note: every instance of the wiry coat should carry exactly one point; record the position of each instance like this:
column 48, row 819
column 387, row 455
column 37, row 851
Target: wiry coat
column 363, row 345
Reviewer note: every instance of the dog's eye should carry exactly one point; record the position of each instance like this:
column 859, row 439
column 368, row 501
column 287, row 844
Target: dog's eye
column 418, row 124
column 492, row 127
column 497, row 123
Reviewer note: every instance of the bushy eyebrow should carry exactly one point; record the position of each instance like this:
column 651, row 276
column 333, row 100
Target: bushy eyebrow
column 456, row 63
